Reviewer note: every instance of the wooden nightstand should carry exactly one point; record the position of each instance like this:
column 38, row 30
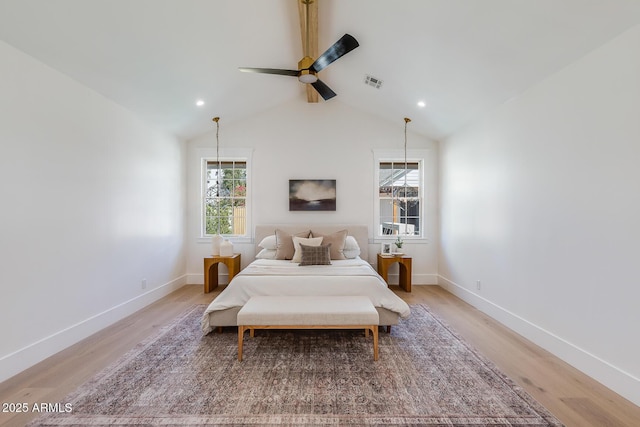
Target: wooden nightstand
column 404, row 262
column 211, row 269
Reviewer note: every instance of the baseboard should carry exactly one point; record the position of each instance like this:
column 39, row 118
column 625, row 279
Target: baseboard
column 26, row 357
column 602, row 371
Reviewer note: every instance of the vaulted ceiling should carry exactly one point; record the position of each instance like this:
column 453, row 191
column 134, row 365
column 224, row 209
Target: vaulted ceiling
column 462, row 58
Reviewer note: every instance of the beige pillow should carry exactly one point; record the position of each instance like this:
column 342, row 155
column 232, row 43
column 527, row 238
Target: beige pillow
column 337, row 241
column 284, row 243
column 312, row 241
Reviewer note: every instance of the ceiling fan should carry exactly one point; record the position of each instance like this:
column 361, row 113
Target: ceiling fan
column 307, row 66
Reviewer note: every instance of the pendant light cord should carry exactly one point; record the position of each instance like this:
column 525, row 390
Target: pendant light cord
column 217, row 120
column 406, row 121
column 406, row 207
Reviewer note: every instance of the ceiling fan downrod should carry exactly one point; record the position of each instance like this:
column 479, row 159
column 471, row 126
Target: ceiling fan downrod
column 306, row 75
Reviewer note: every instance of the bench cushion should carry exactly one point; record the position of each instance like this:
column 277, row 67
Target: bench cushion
column 308, row 310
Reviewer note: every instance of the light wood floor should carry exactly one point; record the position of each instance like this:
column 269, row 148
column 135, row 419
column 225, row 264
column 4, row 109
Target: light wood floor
column 574, row 398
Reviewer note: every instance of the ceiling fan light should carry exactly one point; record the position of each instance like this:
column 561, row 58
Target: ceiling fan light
column 308, row 78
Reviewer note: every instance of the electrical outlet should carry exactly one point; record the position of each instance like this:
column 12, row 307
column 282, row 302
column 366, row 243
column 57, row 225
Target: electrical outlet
column 144, row 283
column 478, row 284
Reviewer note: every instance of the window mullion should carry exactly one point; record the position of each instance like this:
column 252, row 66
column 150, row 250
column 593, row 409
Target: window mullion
column 221, row 195
column 399, row 192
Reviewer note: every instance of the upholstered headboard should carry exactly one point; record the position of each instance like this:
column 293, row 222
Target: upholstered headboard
column 358, row 231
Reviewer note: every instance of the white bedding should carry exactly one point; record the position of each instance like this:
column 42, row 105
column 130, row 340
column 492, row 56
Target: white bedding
column 275, row 277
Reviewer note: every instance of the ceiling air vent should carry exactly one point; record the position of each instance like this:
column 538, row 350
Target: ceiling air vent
column 372, row 81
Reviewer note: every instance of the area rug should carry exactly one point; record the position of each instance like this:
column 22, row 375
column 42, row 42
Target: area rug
column 426, row 376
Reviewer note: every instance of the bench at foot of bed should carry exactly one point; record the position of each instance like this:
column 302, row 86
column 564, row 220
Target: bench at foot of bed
column 308, row 312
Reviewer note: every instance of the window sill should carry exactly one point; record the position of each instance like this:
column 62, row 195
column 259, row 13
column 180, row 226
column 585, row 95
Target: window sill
column 234, row 240
column 406, row 241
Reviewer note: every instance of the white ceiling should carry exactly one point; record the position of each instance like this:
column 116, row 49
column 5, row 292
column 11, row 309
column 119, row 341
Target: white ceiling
column 462, row 57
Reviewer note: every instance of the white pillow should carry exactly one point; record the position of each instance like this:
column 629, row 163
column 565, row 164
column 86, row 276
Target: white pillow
column 312, row 241
column 269, row 242
column 351, row 247
column 267, row 254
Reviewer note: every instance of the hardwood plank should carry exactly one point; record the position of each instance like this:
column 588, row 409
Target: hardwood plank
column 573, row 397
column 594, row 412
column 52, row 379
column 549, row 380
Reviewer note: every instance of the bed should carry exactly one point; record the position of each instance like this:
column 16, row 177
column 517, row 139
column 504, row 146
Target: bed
column 349, row 272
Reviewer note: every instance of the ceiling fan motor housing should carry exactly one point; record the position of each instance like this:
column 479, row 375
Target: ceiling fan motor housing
column 306, row 75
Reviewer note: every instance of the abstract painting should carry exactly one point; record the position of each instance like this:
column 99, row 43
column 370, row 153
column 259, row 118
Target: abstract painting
column 312, row 194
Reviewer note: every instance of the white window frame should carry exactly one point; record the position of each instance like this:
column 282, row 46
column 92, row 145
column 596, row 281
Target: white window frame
column 226, row 155
column 397, row 156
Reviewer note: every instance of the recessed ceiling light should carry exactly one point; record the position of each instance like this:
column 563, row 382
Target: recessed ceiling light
column 199, row 102
column 422, row 104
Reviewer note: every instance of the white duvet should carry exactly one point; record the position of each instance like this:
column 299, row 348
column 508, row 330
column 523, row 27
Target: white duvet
column 275, row 277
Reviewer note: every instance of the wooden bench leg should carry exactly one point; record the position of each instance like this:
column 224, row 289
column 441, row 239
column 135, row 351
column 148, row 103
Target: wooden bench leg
column 240, row 337
column 375, row 342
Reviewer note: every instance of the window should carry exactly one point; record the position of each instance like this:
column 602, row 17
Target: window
column 399, row 190
column 225, row 197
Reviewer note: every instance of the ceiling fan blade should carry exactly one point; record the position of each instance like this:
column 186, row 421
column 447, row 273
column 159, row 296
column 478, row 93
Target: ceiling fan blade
column 325, row 92
column 270, row 71
column 340, row 48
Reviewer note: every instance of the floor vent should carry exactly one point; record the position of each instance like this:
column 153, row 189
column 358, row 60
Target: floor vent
column 372, row 81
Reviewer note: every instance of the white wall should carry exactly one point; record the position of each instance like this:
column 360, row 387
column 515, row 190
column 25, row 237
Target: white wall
column 315, row 141
column 92, row 202
column 540, row 202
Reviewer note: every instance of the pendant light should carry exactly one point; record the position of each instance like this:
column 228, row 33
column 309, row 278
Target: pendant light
column 399, row 242
column 217, row 239
column 406, row 121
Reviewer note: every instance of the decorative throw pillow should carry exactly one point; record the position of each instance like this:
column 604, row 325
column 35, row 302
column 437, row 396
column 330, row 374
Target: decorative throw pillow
column 312, row 241
column 336, row 240
column 351, row 248
column 269, row 242
column 284, row 243
column 315, row 255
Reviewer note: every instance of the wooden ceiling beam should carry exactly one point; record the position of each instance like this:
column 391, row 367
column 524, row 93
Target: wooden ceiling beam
column 309, row 47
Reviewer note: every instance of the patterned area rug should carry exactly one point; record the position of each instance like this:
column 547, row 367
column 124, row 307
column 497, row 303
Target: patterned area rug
column 426, row 376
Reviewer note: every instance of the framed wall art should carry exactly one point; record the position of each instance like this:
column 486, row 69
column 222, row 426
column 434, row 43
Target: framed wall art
column 312, row 194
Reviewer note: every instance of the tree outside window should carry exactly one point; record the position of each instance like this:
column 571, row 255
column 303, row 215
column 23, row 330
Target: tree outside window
column 225, row 198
